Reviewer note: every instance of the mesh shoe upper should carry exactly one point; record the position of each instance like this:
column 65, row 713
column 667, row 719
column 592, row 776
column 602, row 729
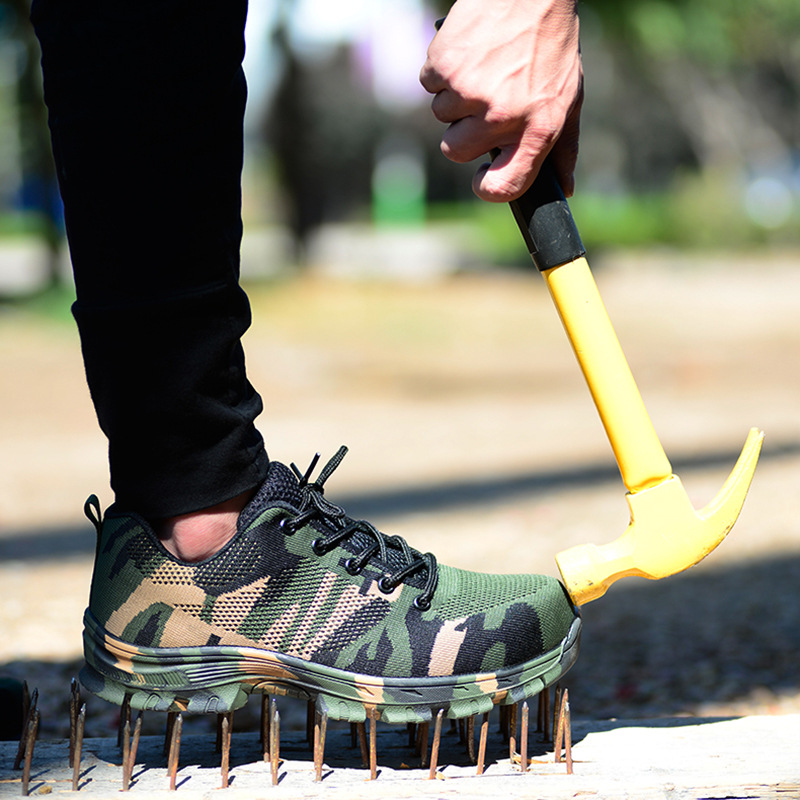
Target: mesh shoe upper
column 303, row 579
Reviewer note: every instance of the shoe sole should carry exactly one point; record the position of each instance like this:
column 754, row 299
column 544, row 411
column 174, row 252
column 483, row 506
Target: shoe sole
column 219, row 680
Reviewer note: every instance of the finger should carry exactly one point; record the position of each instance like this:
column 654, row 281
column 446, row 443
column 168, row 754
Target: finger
column 508, row 176
column 431, row 79
column 470, row 138
column 449, row 106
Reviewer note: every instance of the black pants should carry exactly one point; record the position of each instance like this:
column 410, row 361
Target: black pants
column 146, row 101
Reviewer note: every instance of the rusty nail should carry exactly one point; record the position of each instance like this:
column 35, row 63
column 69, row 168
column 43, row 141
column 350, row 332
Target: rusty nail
column 30, row 742
column 482, row 744
column 126, row 754
column 512, row 732
column 437, row 738
column 226, row 731
column 79, row 728
column 274, row 740
column 523, row 739
column 567, row 732
column 171, row 716
column 558, row 738
column 556, row 707
column 361, row 728
column 423, row 731
column 471, row 739
column 265, row 725
column 129, row 748
column 124, row 716
column 372, row 713
column 74, row 704
column 320, row 728
column 175, row 729
column 32, row 704
column 26, row 699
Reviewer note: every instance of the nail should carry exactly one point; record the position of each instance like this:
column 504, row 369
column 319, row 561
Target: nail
column 124, row 716
column 26, row 699
column 30, row 743
column 74, row 705
column 320, row 728
column 265, row 725
column 174, row 748
column 129, row 762
column 79, row 728
column 523, row 740
column 30, row 709
column 512, row 732
column 361, row 728
column 482, row 745
column 126, row 754
column 226, row 732
column 423, row 731
column 556, row 706
column 558, row 737
column 372, row 713
column 274, row 739
column 437, row 738
column 171, row 717
column 567, row 732
column 471, row 739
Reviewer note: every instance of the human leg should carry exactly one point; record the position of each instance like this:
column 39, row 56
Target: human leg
column 146, row 104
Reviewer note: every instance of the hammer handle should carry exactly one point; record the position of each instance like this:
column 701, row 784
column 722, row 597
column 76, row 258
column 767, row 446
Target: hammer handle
column 549, row 230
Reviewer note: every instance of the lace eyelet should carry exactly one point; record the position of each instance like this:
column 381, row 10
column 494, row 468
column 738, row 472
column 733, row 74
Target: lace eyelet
column 286, row 526
column 351, row 567
column 318, row 547
column 385, row 585
column 422, row 604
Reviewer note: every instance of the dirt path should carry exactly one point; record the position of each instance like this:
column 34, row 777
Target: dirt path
column 472, row 434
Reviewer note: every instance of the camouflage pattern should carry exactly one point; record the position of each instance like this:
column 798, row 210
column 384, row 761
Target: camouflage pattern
column 268, row 613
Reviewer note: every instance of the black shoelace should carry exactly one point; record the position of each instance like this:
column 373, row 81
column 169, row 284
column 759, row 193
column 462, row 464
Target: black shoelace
column 394, row 551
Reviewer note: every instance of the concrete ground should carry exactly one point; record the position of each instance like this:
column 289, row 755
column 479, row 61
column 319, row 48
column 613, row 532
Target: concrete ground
column 473, row 435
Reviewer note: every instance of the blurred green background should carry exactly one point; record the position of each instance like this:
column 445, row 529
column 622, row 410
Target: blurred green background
column 690, row 133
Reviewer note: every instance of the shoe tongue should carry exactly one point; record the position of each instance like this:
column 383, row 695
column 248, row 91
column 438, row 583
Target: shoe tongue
column 280, row 485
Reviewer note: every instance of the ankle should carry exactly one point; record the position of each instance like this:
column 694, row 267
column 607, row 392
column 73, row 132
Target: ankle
column 199, row 534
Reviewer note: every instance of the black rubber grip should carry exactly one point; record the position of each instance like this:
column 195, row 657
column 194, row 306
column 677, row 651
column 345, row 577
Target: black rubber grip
column 546, row 222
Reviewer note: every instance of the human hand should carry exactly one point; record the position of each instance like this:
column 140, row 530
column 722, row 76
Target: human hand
column 507, row 78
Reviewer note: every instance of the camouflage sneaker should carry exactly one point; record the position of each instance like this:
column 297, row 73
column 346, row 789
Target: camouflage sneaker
column 308, row 602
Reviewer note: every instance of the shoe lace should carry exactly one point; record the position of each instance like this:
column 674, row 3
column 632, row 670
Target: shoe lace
column 404, row 561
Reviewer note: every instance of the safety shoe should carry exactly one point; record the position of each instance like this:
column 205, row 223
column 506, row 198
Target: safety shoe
column 308, row 602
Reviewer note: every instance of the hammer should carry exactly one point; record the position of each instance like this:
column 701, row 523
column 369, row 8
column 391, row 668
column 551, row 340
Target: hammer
column 666, row 534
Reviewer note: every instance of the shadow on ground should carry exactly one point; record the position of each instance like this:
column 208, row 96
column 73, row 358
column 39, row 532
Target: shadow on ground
column 49, row 543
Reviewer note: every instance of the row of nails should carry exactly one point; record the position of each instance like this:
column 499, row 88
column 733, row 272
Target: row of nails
column 316, row 727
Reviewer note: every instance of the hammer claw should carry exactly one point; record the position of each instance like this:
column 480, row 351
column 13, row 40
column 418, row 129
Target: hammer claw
column 665, row 535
